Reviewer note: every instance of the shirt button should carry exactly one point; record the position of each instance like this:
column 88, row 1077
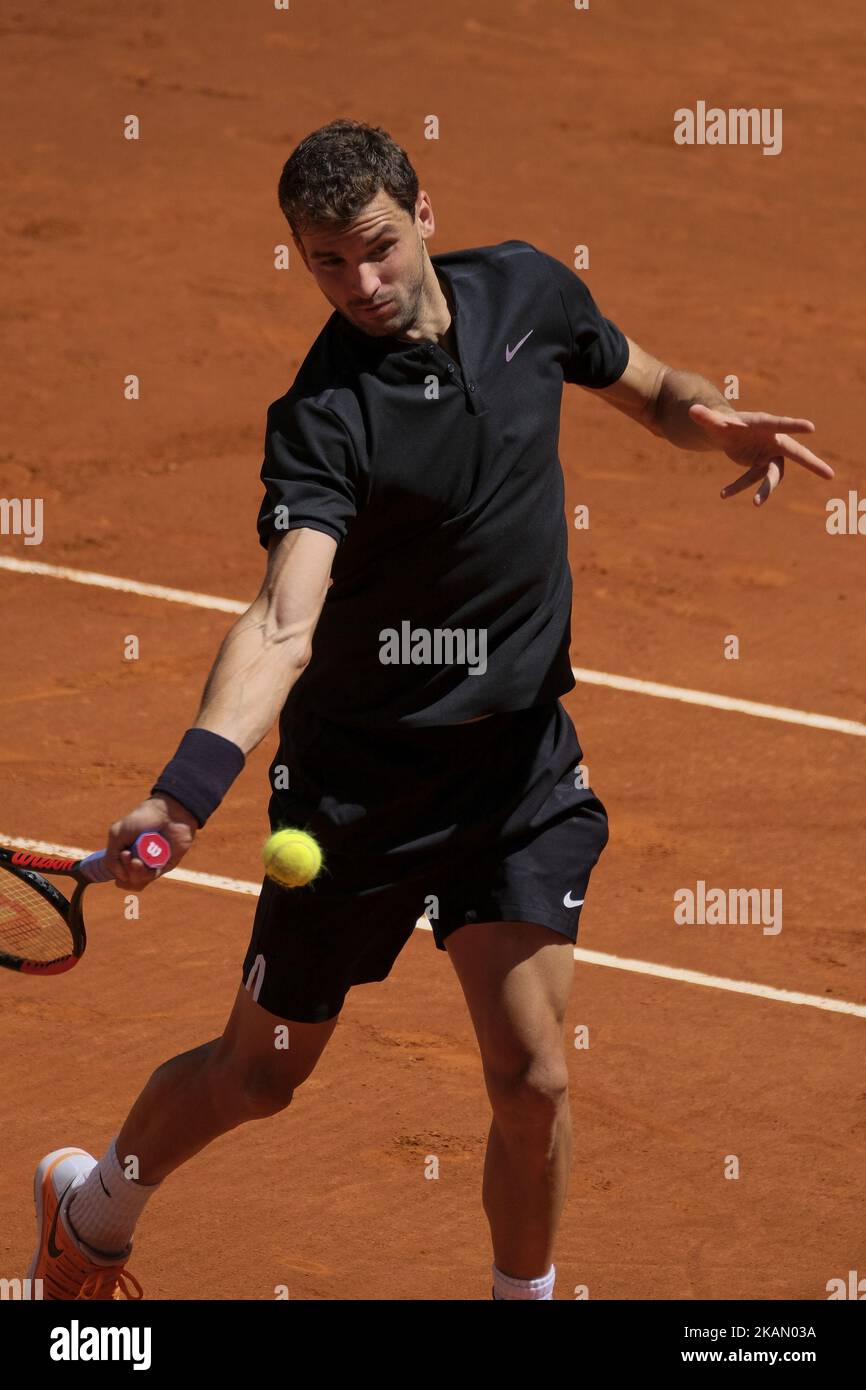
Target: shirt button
column 450, row 367
column 472, row 386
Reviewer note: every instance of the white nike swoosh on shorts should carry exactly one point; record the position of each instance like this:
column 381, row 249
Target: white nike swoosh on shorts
column 568, row 902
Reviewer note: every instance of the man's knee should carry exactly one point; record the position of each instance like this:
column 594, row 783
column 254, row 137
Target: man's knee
column 529, row 1094
column 261, row 1059
column 251, row 1089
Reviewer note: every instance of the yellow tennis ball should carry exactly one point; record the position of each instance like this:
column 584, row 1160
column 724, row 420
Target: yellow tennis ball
column 291, row 858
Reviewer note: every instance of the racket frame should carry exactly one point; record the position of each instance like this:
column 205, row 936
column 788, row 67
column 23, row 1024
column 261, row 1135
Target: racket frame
column 154, row 849
column 68, row 908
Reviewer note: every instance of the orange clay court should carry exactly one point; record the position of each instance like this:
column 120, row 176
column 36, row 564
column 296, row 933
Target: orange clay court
column 157, row 258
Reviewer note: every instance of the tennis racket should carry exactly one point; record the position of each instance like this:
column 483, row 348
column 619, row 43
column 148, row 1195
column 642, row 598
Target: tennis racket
column 41, row 931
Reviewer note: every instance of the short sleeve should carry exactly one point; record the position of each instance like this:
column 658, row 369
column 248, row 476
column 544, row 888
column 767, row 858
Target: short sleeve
column 308, row 471
column 595, row 349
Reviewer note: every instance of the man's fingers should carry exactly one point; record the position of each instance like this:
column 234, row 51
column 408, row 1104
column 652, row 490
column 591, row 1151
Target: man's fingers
column 791, row 424
column 741, row 483
column 798, row 453
column 760, row 419
column 778, row 429
column 132, row 874
column 772, row 474
column 775, row 474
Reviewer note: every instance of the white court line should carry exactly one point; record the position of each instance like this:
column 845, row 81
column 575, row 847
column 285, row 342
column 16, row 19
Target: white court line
column 123, row 586
column 697, row 977
column 635, row 967
column 629, row 683
column 726, row 702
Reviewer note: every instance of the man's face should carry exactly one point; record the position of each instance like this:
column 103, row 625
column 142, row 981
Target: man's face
column 377, row 260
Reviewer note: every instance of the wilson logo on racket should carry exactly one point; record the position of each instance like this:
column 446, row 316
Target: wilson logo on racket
column 49, row 862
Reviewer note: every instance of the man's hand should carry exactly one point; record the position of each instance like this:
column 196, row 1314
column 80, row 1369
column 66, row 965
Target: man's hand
column 691, row 413
column 160, row 813
column 755, row 441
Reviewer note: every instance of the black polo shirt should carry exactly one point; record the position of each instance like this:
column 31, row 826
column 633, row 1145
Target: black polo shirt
column 441, row 483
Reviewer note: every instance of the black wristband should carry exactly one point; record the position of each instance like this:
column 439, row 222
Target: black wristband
column 201, row 772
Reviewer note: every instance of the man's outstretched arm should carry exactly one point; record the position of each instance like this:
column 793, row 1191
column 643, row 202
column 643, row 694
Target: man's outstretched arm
column 691, row 413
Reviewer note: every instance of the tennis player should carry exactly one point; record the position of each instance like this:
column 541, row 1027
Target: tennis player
column 412, row 636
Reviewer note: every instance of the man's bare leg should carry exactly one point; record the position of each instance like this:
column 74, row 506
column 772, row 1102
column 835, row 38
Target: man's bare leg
column 516, row 977
column 199, row 1095
column 189, row 1101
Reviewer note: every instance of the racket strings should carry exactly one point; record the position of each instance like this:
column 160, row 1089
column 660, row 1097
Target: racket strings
column 30, row 928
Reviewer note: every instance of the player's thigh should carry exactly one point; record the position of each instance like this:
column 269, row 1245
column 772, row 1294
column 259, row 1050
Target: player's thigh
column 516, row 978
column 255, row 1040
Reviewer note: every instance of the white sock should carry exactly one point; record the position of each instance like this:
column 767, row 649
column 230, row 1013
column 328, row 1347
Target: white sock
column 104, row 1209
column 506, row 1287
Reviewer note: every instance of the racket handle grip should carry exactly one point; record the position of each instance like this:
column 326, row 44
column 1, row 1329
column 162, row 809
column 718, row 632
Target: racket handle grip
column 151, row 848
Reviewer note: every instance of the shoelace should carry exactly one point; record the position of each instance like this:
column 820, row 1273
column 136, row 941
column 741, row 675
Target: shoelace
column 100, row 1284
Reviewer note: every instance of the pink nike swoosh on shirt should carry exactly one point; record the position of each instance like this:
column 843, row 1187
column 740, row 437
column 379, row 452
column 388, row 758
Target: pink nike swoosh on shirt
column 512, row 352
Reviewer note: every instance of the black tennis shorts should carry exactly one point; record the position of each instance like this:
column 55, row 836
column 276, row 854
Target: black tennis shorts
column 480, row 822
